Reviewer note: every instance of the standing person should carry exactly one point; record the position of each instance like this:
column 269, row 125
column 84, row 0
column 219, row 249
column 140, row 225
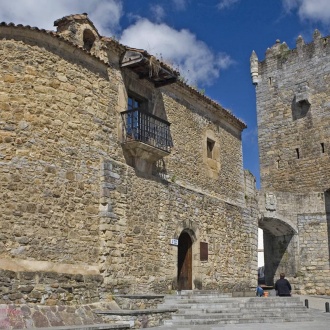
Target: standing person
column 283, row 286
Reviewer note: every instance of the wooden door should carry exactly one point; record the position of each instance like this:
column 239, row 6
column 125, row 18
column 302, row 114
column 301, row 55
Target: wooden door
column 185, row 262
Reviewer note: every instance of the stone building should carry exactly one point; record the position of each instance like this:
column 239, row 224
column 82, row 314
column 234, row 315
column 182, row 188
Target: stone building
column 115, row 176
column 293, row 112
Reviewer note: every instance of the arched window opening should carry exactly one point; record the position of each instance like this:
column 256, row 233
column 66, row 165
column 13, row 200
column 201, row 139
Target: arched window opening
column 88, row 38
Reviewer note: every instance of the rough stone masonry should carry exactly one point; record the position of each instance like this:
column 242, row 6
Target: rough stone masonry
column 115, row 176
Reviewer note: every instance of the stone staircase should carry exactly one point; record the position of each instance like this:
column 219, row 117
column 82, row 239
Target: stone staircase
column 206, row 308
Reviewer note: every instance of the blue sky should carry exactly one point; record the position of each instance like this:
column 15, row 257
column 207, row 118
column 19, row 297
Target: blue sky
column 208, row 41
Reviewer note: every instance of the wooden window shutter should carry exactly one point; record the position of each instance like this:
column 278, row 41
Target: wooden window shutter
column 204, row 251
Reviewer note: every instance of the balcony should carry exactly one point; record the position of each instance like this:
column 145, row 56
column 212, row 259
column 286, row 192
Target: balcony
column 145, row 136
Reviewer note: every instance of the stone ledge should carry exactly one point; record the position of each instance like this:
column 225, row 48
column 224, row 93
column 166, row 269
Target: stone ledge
column 137, row 318
column 89, row 327
column 139, row 296
column 125, row 312
column 20, row 265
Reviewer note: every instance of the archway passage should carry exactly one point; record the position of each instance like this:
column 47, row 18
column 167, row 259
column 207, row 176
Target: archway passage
column 185, row 262
column 280, row 249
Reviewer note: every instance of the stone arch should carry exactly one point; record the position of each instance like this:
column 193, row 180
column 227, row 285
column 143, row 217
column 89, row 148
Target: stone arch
column 188, row 226
column 277, row 226
column 88, row 39
column 280, row 248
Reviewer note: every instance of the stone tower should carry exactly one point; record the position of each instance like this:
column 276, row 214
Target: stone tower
column 293, row 112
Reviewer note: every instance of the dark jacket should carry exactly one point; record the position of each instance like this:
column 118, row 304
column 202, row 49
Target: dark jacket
column 283, row 287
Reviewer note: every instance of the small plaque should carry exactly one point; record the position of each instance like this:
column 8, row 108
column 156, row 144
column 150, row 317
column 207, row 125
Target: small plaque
column 174, row 241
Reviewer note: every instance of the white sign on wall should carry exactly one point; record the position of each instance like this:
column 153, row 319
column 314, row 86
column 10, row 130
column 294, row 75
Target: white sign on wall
column 174, row 241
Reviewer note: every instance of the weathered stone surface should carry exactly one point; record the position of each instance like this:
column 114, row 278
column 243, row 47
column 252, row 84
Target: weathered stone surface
column 39, row 320
column 82, row 217
column 36, row 316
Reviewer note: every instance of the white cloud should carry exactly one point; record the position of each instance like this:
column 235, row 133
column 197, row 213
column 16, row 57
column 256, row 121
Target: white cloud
column 224, row 4
column 180, row 4
column 310, row 9
column 181, row 49
column 42, row 13
column 158, row 12
column 192, row 57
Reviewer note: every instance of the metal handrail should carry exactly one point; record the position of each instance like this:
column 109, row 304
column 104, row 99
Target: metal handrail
column 139, row 125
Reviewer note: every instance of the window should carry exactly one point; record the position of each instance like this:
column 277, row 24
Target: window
column 204, row 251
column 278, row 162
column 210, row 146
column 297, row 153
column 133, row 103
column 300, row 109
column 322, row 148
column 211, row 153
column 141, row 125
column 133, row 118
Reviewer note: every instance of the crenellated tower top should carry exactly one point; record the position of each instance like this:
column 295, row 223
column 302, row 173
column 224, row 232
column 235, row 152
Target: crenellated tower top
column 280, row 54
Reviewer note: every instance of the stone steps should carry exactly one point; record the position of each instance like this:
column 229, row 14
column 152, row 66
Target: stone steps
column 206, row 309
column 242, row 311
column 90, row 327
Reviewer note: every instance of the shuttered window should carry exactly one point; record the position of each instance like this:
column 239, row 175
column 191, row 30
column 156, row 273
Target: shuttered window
column 204, row 251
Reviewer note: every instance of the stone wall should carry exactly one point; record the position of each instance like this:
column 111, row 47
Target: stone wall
column 53, row 125
column 138, row 256
column 188, row 162
column 48, row 288
column 251, row 215
column 32, row 316
column 55, row 121
column 293, row 116
column 314, row 270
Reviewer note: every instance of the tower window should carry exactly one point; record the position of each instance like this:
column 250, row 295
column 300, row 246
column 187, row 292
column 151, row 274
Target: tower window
column 300, row 109
column 297, row 153
column 322, row 148
column 278, row 162
column 210, row 146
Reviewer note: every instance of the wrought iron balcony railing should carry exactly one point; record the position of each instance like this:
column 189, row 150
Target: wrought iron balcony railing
column 144, row 127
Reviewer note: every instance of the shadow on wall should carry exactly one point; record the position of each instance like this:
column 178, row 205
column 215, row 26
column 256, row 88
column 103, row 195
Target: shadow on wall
column 327, row 210
column 278, row 256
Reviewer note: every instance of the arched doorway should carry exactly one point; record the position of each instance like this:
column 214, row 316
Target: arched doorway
column 185, row 262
